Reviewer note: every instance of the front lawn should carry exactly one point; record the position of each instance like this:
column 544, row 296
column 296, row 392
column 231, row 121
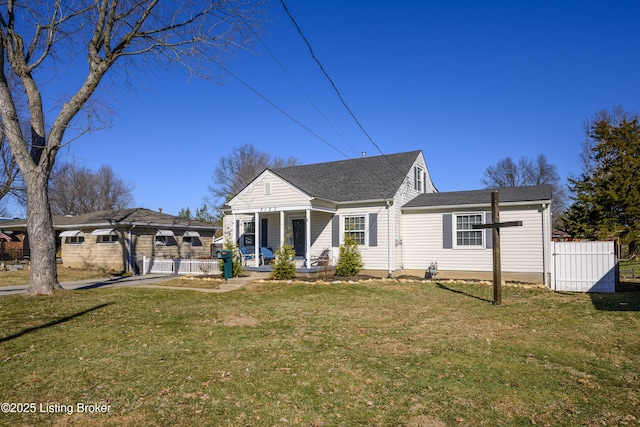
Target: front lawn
column 373, row 354
column 65, row 274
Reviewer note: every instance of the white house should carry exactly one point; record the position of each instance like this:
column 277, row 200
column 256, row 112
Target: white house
column 390, row 205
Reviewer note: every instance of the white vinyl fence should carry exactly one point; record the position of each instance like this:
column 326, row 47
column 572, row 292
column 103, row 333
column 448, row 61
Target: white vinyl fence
column 584, row 266
column 179, row 266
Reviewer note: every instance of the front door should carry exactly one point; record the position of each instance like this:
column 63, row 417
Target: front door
column 299, row 233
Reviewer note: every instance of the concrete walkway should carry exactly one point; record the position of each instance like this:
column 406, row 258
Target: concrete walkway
column 143, row 281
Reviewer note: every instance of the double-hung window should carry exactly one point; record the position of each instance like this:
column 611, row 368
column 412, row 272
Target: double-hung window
column 249, row 234
column 417, row 179
column 466, row 236
column 355, row 226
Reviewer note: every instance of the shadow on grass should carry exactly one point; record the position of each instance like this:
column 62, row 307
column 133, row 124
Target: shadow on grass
column 441, row 286
column 626, row 298
column 53, row 323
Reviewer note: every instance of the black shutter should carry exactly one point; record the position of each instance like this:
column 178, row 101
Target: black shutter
column 335, row 231
column 373, row 229
column 263, row 233
column 447, row 231
column 238, row 233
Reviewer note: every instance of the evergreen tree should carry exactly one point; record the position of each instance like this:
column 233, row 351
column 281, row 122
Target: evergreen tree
column 606, row 197
column 350, row 260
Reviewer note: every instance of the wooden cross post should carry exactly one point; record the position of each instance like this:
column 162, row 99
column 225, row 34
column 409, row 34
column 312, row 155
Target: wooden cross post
column 495, row 227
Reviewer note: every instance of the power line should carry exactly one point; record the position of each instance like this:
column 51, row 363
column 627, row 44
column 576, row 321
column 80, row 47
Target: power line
column 335, row 88
column 304, row 93
column 267, row 100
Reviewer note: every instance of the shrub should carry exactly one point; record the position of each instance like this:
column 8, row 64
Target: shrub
column 284, row 265
column 349, row 260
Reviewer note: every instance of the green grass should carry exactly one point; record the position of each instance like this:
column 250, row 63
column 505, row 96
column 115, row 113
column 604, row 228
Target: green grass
column 375, row 354
column 21, row 277
column 629, row 269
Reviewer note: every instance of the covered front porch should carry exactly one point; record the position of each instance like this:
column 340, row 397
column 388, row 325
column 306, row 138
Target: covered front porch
column 310, row 230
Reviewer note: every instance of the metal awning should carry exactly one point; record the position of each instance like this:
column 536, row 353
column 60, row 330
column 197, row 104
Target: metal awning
column 102, row 232
column 191, row 234
column 166, row 233
column 70, row 233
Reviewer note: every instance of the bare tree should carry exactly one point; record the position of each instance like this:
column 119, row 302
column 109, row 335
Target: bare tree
column 526, row 172
column 39, row 37
column 236, row 171
column 10, row 183
column 75, row 190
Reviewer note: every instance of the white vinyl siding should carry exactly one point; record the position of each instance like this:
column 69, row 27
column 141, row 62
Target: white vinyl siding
column 374, row 257
column 521, row 247
column 280, row 194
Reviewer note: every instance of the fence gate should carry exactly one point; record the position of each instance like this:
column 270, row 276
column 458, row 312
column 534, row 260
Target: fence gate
column 584, row 266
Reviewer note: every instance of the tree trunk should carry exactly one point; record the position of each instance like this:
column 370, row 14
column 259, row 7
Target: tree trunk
column 42, row 238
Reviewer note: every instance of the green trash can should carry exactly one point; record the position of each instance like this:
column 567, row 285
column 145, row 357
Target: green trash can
column 227, row 258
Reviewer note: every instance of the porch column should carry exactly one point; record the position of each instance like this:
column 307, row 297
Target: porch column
column 256, row 240
column 307, row 261
column 282, row 228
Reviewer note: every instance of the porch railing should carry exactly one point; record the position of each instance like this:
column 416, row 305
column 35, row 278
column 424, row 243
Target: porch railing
column 179, row 266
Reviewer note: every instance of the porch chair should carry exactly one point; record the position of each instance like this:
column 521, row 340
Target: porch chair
column 246, row 255
column 322, row 259
column 266, row 255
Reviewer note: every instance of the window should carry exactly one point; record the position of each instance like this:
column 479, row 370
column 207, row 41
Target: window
column 191, row 238
column 355, row 226
column 267, row 188
column 75, row 240
column 249, row 234
column 465, row 235
column 417, row 178
column 108, row 238
column 73, row 237
column 165, row 238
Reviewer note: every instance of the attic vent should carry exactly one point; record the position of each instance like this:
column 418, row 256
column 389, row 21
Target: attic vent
column 267, row 188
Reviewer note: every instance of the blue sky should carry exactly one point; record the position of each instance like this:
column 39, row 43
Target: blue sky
column 467, row 82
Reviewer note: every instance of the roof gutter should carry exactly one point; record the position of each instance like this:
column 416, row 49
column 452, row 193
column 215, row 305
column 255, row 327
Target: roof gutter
column 474, row 206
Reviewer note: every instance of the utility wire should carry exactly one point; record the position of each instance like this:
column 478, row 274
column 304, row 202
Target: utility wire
column 268, row 101
column 335, row 88
column 304, row 93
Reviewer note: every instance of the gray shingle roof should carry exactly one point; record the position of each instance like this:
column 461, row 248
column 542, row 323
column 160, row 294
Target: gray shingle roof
column 122, row 217
column 365, row 178
column 476, row 197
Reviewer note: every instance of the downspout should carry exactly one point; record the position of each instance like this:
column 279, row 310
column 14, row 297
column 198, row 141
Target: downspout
column 545, row 251
column 389, row 240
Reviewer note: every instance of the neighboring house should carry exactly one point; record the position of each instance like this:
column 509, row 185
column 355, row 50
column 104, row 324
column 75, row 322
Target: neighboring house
column 10, row 245
column 390, row 205
column 117, row 240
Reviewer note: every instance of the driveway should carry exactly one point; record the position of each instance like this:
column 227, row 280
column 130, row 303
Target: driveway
column 146, row 279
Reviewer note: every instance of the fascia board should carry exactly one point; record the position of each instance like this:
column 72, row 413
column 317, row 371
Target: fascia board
column 134, row 224
column 257, row 179
column 474, row 206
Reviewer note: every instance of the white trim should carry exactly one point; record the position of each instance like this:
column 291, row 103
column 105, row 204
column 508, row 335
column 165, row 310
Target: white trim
column 275, row 209
column 412, row 209
column 454, row 230
column 366, row 227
